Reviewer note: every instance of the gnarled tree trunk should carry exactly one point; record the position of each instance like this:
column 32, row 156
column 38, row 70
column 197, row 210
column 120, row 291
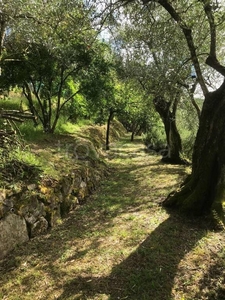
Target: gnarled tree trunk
column 168, row 117
column 204, row 189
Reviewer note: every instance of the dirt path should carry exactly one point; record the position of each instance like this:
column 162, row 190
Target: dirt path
column 121, row 244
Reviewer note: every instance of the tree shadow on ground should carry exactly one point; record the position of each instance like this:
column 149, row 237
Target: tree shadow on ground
column 149, row 272
column 212, row 285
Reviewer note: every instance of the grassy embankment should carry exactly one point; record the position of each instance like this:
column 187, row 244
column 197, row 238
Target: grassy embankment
column 55, row 155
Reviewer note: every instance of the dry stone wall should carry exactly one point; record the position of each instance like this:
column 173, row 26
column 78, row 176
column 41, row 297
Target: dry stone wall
column 33, row 208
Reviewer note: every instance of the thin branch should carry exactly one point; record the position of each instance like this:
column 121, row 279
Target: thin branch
column 69, row 98
column 189, row 39
column 15, row 115
column 212, row 60
column 39, row 101
column 194, row 103
column 211, row 20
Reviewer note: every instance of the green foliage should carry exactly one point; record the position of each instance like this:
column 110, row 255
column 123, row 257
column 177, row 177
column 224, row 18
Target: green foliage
column 138, row 114
column 11, row 103
column 187, row 122
column 48, row 55
column 65, row 126
column 98, row 84
column 17, row 163
column 29, row 132
column 155, row 138
column 76, row 109
column 26, row 156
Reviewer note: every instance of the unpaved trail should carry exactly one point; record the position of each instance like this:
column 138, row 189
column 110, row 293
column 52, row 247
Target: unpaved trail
column 120, row 244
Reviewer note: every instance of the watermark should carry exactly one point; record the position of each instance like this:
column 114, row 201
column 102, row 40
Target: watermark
column 162, row 151
column 78, row 150
column 81, row 150
column 126, row 149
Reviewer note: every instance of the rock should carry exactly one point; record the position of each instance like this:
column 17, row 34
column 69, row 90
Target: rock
column 54, row 215
column 70, row 184
column 83, row 185
column 32, row 187
column 6, row 204
column 13, row 231
column 2, row 195
column 39, row 227
column 33, row 210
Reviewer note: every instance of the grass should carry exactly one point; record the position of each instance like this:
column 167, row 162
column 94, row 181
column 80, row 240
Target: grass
column 121, row 244
column 15, row 102
column 54, row 154
column 64, row 126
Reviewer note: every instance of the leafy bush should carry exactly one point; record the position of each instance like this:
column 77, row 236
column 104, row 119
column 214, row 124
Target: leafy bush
column 155, row 139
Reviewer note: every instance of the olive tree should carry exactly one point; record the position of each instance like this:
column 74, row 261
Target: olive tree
column 204, row 189
column 52, row 45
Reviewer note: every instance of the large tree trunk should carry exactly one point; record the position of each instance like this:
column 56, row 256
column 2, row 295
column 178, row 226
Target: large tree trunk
column 172, row 135
column 204, row 189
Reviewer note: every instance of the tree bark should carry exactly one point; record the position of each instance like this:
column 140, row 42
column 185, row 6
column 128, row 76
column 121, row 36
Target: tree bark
column 172, row 135
column 28, row 95
column 133, row 131
column 110, row 117
column 204, row 189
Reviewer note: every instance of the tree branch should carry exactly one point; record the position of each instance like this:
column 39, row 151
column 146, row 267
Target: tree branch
column 212, row 60
column 209, row 14
column 189, row 39
column 15, row 115
column 69, row 98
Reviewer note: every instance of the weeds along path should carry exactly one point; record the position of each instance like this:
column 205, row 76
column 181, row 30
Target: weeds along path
column 121, row 244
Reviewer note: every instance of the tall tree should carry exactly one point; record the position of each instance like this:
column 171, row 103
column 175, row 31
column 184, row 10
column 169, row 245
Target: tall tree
column 204, row 189
column 9, row 11
column 50, row 46
column 160, row 71
column 138, row 113
column 103, row 91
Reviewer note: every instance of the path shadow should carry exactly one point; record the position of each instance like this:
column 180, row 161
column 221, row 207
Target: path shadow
column 212, row 285
column 149, row 272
